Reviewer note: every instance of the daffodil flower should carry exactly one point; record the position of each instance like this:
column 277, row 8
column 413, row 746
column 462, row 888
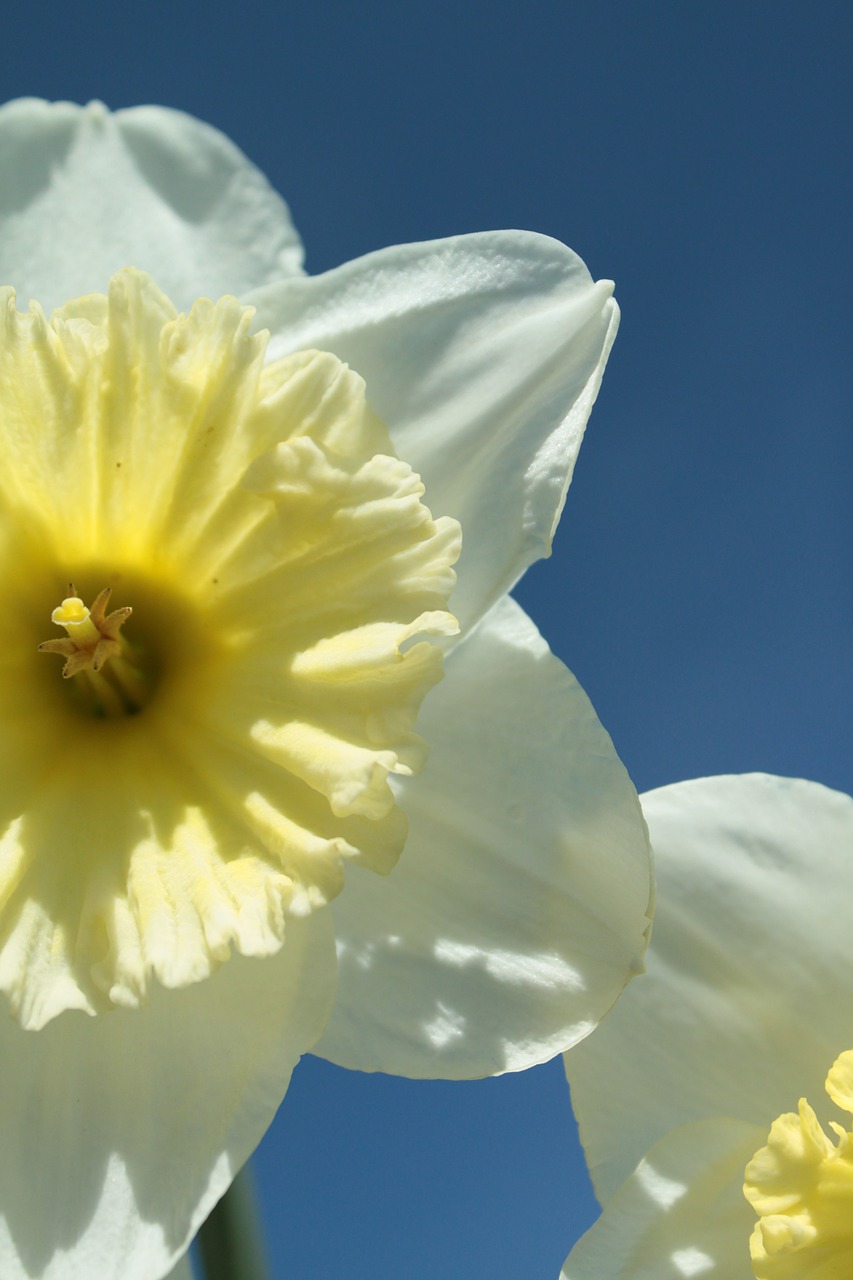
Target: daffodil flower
column 715, row 1102
column 225, row 595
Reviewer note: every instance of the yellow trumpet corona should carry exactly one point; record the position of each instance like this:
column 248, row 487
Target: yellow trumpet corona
column 224, row 736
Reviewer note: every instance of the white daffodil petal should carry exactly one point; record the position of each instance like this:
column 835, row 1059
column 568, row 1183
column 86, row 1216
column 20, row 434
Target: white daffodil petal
column 85, row 192
column 519, row 907
column 747, row 949
column 127, row 1128
column 484, row 355
column 681, row 1214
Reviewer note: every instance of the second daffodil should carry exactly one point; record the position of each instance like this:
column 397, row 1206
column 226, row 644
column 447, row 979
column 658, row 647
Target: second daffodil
column 225, row 595
column 716, row 1102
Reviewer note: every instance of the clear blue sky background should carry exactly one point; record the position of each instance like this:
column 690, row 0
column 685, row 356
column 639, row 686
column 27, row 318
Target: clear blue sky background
column 701, row 586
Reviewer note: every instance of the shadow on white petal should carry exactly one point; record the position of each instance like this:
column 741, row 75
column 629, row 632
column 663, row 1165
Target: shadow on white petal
column 126, row 1128
column 184, row 204
column 663, row 1191
column 692, row 1262
column 532, row 972
column 681, row 1214
column 745, row 867
column 518, row 909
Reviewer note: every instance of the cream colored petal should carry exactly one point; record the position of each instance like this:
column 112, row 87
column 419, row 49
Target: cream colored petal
column 484, row 355
column 681, row 1214
column 750, row 945
column 85, row 192
column 519, row 907
column 127, row 1128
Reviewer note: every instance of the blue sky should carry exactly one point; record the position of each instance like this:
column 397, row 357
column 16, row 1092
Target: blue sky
column 701, row 586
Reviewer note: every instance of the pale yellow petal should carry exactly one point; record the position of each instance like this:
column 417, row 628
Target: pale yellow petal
column 839, row 1081
column 801, row 1187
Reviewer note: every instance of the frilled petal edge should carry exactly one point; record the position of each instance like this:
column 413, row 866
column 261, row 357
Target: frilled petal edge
column 85, row 192
column 127, row 1128
column 483, row 354
column 745, row 868
column 518, row 910
column 682, row 1213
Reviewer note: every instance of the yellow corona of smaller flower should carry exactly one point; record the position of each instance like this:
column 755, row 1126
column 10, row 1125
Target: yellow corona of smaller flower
column 801, row 1186
column 223, row 734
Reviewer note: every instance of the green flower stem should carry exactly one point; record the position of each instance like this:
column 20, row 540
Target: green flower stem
column 230, row 1244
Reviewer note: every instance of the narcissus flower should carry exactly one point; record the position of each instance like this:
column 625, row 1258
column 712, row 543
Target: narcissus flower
column 702, row 1099
column 226, row 595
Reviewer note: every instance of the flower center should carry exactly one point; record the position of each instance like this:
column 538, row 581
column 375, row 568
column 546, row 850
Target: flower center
column 216, row 756
column 112, row 680
column 801, row 1187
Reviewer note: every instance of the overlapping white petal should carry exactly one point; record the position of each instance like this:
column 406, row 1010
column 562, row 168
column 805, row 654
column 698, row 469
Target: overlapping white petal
column 484, row 355
column 121, row 1132
column 86, row 192
column 745, row 1003
column 681, row 1214
column 518, row 910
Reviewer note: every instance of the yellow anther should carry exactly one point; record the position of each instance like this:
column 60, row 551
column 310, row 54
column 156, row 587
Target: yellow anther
column 73, row 615
column 92, row 640
column 71, row 611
